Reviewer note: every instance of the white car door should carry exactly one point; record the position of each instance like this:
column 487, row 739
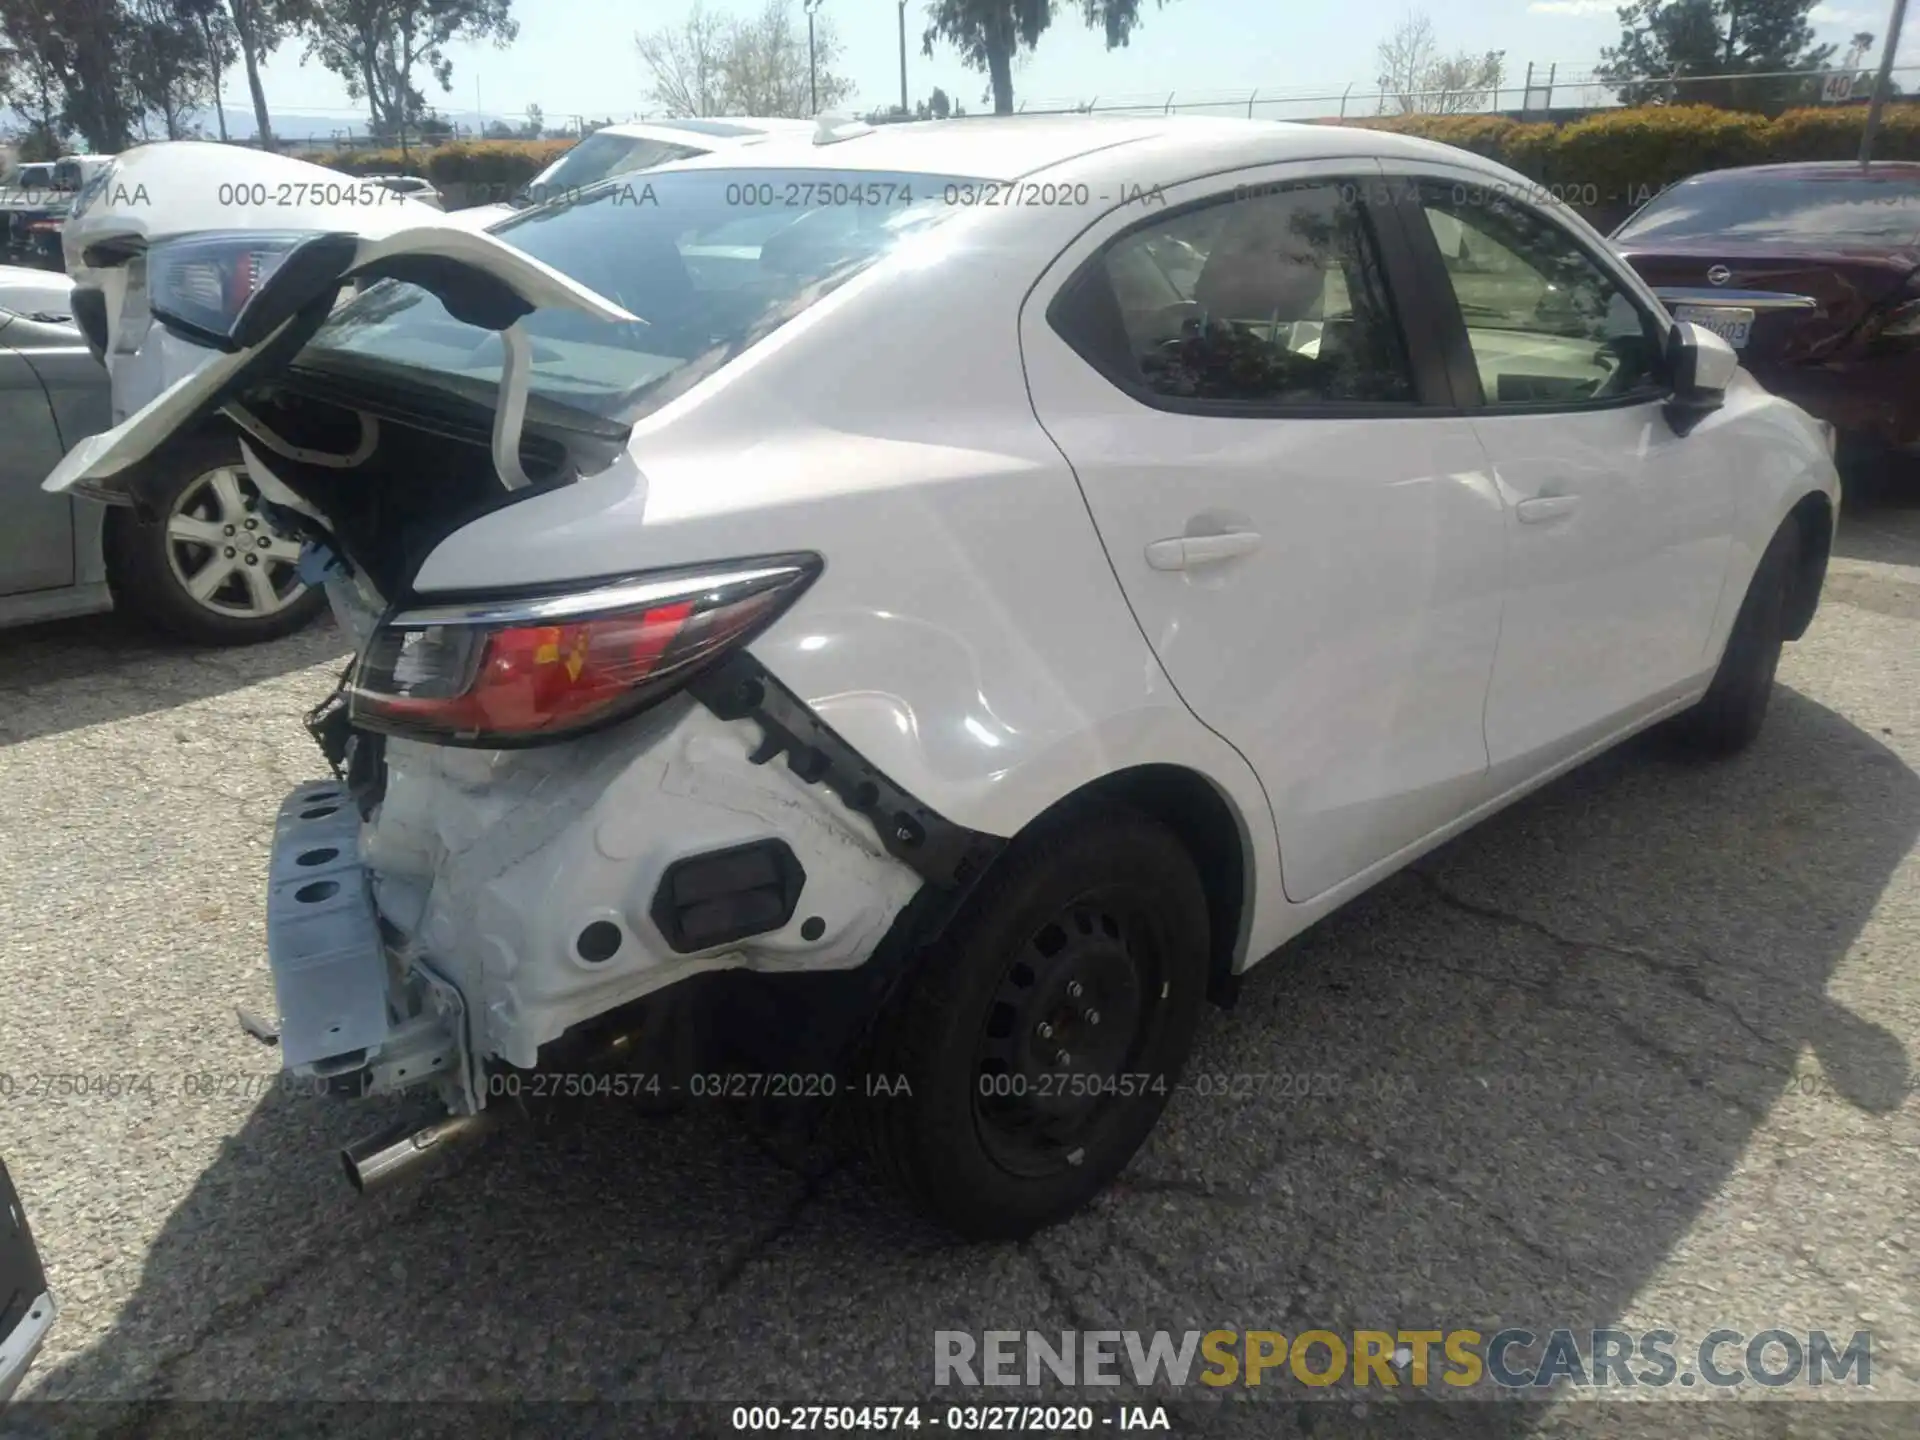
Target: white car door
column 1620, row 526
column 1309, row 540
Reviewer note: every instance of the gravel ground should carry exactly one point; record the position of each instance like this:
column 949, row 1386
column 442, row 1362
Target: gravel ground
column 1635, row 1052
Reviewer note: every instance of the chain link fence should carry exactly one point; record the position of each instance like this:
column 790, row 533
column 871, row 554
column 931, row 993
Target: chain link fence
column 1543, row 93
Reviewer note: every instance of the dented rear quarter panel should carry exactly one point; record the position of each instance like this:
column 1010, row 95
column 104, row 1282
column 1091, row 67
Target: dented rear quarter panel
column 967, row 635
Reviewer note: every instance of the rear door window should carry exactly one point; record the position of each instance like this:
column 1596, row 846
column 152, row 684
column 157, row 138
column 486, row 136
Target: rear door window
column 1274, row 300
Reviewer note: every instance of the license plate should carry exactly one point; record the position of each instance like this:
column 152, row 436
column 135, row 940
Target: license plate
column 1733, row 324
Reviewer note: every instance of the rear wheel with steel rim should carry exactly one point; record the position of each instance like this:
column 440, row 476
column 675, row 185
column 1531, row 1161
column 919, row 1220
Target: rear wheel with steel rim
column 213, row 568
column 1036, row 1042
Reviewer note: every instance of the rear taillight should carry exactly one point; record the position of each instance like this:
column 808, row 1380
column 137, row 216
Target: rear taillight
column 516, row 672
column 200, row 285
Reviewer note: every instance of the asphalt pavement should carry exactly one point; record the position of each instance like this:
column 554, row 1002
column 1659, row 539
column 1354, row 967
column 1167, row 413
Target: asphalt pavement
column 1636, row 1052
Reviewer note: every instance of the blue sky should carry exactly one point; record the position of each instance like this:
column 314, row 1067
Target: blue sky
column 577, row 56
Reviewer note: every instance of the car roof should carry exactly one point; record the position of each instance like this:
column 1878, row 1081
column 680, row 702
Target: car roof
column 698, row 128
column 1888, row 170
column 1144, row 150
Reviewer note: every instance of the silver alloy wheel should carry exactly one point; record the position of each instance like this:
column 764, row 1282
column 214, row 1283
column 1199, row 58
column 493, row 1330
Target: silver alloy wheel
column 225, row 553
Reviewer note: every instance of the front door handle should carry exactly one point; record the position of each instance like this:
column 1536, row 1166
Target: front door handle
column 1188, row 552
column 1545, row 507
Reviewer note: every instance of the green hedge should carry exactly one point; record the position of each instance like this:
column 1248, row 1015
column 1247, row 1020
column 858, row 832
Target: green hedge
column 1618, row 158
column 477, row 167
column 1606, row 164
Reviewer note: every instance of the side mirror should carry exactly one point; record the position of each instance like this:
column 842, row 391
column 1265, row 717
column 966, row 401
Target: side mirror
column 1701, row 366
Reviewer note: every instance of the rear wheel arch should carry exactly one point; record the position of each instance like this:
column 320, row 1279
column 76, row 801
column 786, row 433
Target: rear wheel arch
column 1211, row 830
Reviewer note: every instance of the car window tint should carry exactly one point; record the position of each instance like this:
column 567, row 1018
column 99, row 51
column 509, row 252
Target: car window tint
column 1276, row 298
column 1546, row 322
column 1803, row 210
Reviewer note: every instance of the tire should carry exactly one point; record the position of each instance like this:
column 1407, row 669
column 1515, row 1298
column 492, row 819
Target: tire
column 1728, row 717
column 1103, row 899
column 153, row 567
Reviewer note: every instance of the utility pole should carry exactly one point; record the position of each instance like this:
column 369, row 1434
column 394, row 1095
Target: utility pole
column 1887, row 52
column 813, row 62
column 905, row 109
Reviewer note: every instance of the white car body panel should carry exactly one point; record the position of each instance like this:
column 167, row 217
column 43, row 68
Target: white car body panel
column 1014, row 673
column 178, row 187
column 987, row 632
column 493, row 862
column 1348, row 656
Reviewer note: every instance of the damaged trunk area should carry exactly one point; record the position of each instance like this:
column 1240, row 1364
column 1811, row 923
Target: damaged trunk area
column 380, row 468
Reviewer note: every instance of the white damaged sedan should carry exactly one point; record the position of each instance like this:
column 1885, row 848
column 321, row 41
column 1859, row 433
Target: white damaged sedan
column 917, row 613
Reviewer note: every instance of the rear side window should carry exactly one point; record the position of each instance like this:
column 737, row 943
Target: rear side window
column 1274, row 299
column 1811, row 210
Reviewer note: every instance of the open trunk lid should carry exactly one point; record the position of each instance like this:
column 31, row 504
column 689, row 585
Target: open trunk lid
column 478, row 278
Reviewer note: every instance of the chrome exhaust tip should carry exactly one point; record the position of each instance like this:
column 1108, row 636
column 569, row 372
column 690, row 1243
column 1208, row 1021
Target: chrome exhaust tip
column 384, row 1159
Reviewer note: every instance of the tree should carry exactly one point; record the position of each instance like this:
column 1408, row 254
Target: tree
column 219, row 47
column 77, row 52
column 1415, row 77
column 936, row 106
column 33, row 89
column 377, row 46
column 989, row 33
column 1664, row 41
column 769, row 72
column 536, row 125
column 716, row 65
column 686, row 63
column 259, row 28
column 167, row 64
column 499, row 130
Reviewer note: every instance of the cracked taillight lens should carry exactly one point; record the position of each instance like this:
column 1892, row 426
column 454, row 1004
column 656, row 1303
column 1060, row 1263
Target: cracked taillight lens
column 517, row 672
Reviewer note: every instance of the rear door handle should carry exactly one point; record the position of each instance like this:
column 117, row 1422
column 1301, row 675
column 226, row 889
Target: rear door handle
column 1545, row 507
column 1188, row 552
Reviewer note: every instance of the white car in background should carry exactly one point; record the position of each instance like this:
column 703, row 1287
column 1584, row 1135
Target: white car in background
column 411, row 186
column 625, row 149
column 922, row 649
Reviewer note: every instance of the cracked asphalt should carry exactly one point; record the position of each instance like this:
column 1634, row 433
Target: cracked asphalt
column 1635, row 1052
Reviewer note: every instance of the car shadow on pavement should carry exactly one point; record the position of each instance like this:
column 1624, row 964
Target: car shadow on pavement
column 64, row 674
column 1880, row 517
column 1501, row 1090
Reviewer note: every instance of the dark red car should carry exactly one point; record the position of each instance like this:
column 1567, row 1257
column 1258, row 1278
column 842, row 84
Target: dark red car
column 1812, row 272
